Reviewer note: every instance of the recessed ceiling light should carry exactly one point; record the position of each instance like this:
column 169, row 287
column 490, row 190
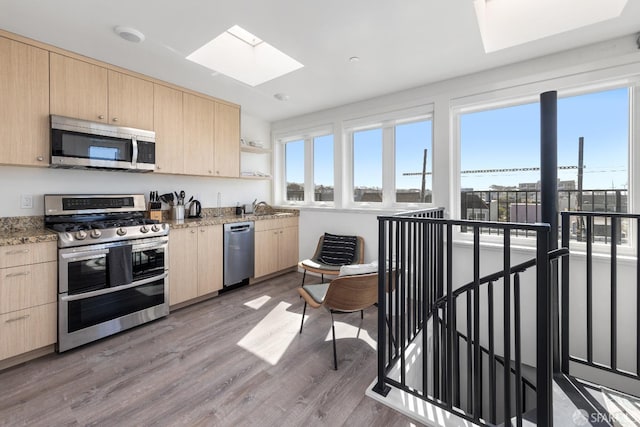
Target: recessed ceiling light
column 129, row 34
column 239, row 54
column 354, row 59
column 281, row 96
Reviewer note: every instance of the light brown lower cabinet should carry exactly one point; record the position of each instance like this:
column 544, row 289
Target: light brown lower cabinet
column 209, row 259
column 26, row 330
column 276, row 245
column 28, row 293
column 195, row 262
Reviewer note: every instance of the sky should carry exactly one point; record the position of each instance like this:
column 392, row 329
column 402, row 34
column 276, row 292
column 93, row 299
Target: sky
column 510, row 137
column 494, row 139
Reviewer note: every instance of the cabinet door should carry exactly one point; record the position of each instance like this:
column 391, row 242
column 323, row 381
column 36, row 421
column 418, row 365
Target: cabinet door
column 198, row 116
column 227, row 140
column 28, row 253
column 209, row 259
column 27, row 330
column 288, row 247
column 78, row 89
column 266, row 252
column 183, row 265
column 24, row 104
column 28, row 286
column 167, row 118
column 130, row 101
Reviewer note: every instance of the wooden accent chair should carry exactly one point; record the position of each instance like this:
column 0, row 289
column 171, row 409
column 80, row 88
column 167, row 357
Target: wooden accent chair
column 344, row 294
column 315, row 265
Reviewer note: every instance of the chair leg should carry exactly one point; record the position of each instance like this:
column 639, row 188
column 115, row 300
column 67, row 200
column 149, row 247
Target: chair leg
column 333, row 331
column 322, row 277
column 361, row 314
column 304, row 274
column 303, row 311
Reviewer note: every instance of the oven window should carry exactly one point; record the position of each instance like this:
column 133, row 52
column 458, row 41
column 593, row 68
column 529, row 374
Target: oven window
column 87, row 275
column 147, row 262
column 102, row 308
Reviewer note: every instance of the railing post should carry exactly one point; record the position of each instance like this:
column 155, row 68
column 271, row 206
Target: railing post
column 380, row 386
column 544, row 333
column 564, row 328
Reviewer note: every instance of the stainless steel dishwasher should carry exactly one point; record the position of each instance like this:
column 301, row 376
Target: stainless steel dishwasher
column 238, row 253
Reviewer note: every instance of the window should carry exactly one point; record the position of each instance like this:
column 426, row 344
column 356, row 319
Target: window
column 323, row 168
column 413, row 162
column 500, row 158
column 367, row 165
column 294, row 170
column 374, row 162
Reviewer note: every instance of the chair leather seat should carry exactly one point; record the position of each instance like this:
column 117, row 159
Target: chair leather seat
column 317, row 291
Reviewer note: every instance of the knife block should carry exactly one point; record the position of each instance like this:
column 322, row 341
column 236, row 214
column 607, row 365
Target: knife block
column 155, row 214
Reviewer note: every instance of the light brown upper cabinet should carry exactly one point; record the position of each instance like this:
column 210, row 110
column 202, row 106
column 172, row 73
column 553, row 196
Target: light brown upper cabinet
column 24, row 104
column 167, row 117
column 130, row 101
column 87, row 91
column 78, row 89
column 227, row 140
column 199, row 134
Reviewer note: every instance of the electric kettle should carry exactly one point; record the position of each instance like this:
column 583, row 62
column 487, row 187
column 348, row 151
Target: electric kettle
column 195, row 208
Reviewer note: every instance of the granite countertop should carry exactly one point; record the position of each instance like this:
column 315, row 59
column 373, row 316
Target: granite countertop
column 29, row 235
column 225, row 219
column 21, row 230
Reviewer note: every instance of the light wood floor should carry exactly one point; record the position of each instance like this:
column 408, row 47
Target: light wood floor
column 234, row 360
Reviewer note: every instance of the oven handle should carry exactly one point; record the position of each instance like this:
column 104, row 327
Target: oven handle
column 147, row 246
column 75, row 256
column 110, row 290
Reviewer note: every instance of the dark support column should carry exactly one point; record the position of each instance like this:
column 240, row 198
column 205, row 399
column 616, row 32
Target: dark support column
column 548, row 299
column 549, row 163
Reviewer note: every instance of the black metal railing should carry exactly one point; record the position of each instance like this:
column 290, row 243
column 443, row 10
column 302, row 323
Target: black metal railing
column 524, row 206
column 419, row 305
column 618, row 292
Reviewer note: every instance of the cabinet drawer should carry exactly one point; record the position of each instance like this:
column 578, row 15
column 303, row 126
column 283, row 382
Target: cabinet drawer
column 27, row 330
column 30, row 253
column 27, row 286
column 289, row 222
column 265, row 224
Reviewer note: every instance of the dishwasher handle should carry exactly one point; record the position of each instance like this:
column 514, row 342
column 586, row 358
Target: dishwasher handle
column 242, row 228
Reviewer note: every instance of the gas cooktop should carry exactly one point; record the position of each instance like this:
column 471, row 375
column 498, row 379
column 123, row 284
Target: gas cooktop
column 93, row 219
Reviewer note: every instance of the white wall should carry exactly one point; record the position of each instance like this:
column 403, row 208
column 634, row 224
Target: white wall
column 17, row 181
column 615, row 60
column 608, row 63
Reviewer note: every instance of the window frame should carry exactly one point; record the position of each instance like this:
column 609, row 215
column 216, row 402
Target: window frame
column 503, row 99
column 280, row 187
column 387, row 123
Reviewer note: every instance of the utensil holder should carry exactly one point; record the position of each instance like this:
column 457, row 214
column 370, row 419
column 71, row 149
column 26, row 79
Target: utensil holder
column 177, row 212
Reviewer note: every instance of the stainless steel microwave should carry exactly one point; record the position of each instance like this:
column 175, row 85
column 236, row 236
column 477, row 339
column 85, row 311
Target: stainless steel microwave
column 79, row 143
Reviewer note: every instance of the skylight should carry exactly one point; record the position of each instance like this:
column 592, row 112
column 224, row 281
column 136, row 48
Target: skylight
column 245, row 57
column 507, row 23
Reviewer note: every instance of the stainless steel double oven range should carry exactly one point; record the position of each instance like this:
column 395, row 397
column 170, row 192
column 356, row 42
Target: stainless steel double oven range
column 112, row 265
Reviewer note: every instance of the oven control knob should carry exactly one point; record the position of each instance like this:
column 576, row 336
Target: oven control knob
column 155, row 228
column 95, row 233
column 81, row 235
column 121, row 231
column 144, row 229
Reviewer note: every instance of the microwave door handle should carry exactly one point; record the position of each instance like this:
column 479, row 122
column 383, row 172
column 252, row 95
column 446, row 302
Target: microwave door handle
column 134, row 155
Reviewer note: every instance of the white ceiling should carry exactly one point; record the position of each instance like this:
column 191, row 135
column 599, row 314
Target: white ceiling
column 401, row 44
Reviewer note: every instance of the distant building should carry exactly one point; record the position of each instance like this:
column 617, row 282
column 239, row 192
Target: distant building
column 525, row 212
column 473, row 207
